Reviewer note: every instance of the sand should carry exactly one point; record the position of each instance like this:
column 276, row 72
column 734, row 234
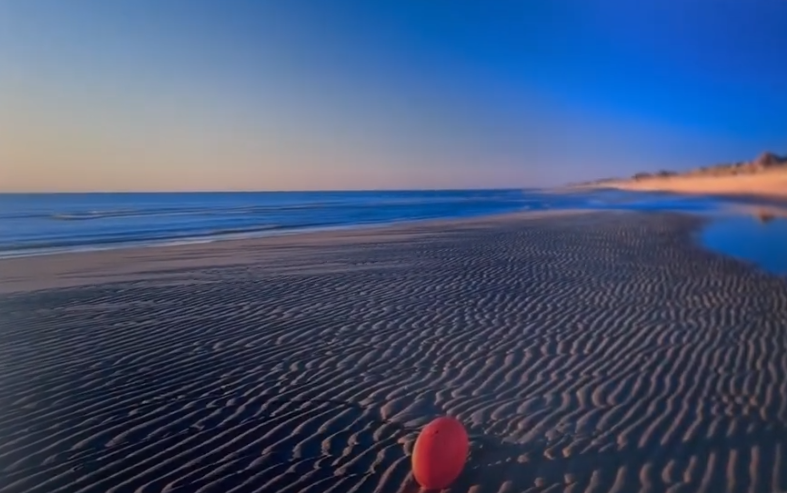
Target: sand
column 584, row 352
column 764, row 184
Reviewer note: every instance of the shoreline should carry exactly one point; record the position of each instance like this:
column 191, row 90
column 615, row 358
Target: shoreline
column 67, row 269
column 234, row 236
column 123, row 263
column 33, row 225
column 84, row 267
column 531, row 205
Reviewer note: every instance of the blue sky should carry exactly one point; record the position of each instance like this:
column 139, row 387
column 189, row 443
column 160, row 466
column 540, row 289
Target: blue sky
column 196, row 94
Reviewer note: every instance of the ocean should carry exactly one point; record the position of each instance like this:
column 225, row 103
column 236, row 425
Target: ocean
column 34, row 224
column 39, row 224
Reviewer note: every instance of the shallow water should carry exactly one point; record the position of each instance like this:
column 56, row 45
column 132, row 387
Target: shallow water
column 746, row 237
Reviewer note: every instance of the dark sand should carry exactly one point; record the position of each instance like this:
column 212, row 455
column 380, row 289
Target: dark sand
column 585, row 353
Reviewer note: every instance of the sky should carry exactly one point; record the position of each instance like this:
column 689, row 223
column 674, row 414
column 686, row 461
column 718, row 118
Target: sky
column 171, row 95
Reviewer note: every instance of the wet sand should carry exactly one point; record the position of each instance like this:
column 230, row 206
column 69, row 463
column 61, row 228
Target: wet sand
column 586, row 352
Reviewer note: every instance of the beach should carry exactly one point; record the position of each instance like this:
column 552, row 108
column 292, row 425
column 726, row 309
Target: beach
column 593, row 351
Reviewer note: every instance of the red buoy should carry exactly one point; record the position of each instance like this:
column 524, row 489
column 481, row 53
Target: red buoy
column 440, row 453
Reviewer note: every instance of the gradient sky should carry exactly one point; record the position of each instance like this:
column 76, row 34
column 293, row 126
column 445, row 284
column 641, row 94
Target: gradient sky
column 293, row 94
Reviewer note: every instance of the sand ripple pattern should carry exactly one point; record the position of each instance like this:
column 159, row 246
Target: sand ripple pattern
column 595, row 353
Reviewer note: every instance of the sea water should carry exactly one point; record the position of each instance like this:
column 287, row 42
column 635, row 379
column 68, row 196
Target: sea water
column 37, row 224
column 762, row 242
column 33, row 224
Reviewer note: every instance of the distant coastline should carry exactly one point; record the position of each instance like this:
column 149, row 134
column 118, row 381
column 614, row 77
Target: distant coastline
column 765, row 176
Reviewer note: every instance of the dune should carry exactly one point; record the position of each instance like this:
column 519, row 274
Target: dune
column 765, row 176
column 586, row 352
column 767, row 184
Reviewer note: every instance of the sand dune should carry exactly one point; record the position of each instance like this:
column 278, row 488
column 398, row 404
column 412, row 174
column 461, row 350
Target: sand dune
column 766, row 183
column 585, row 353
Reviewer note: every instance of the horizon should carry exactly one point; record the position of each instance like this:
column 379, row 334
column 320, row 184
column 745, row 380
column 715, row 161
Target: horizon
column 365, row 190
column 359, row 190
column 245, row 97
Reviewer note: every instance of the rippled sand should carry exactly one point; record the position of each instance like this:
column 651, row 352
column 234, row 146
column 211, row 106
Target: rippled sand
column 585, row 353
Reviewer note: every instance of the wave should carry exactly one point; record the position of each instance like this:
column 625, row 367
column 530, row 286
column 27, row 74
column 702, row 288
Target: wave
column 51, row 248
column 87, row 215
column 345, row 203
column 50, row 223
column 67, row 243
column 253, row 205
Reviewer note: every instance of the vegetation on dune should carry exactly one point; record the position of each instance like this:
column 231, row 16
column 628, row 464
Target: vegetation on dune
column 765, row 161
